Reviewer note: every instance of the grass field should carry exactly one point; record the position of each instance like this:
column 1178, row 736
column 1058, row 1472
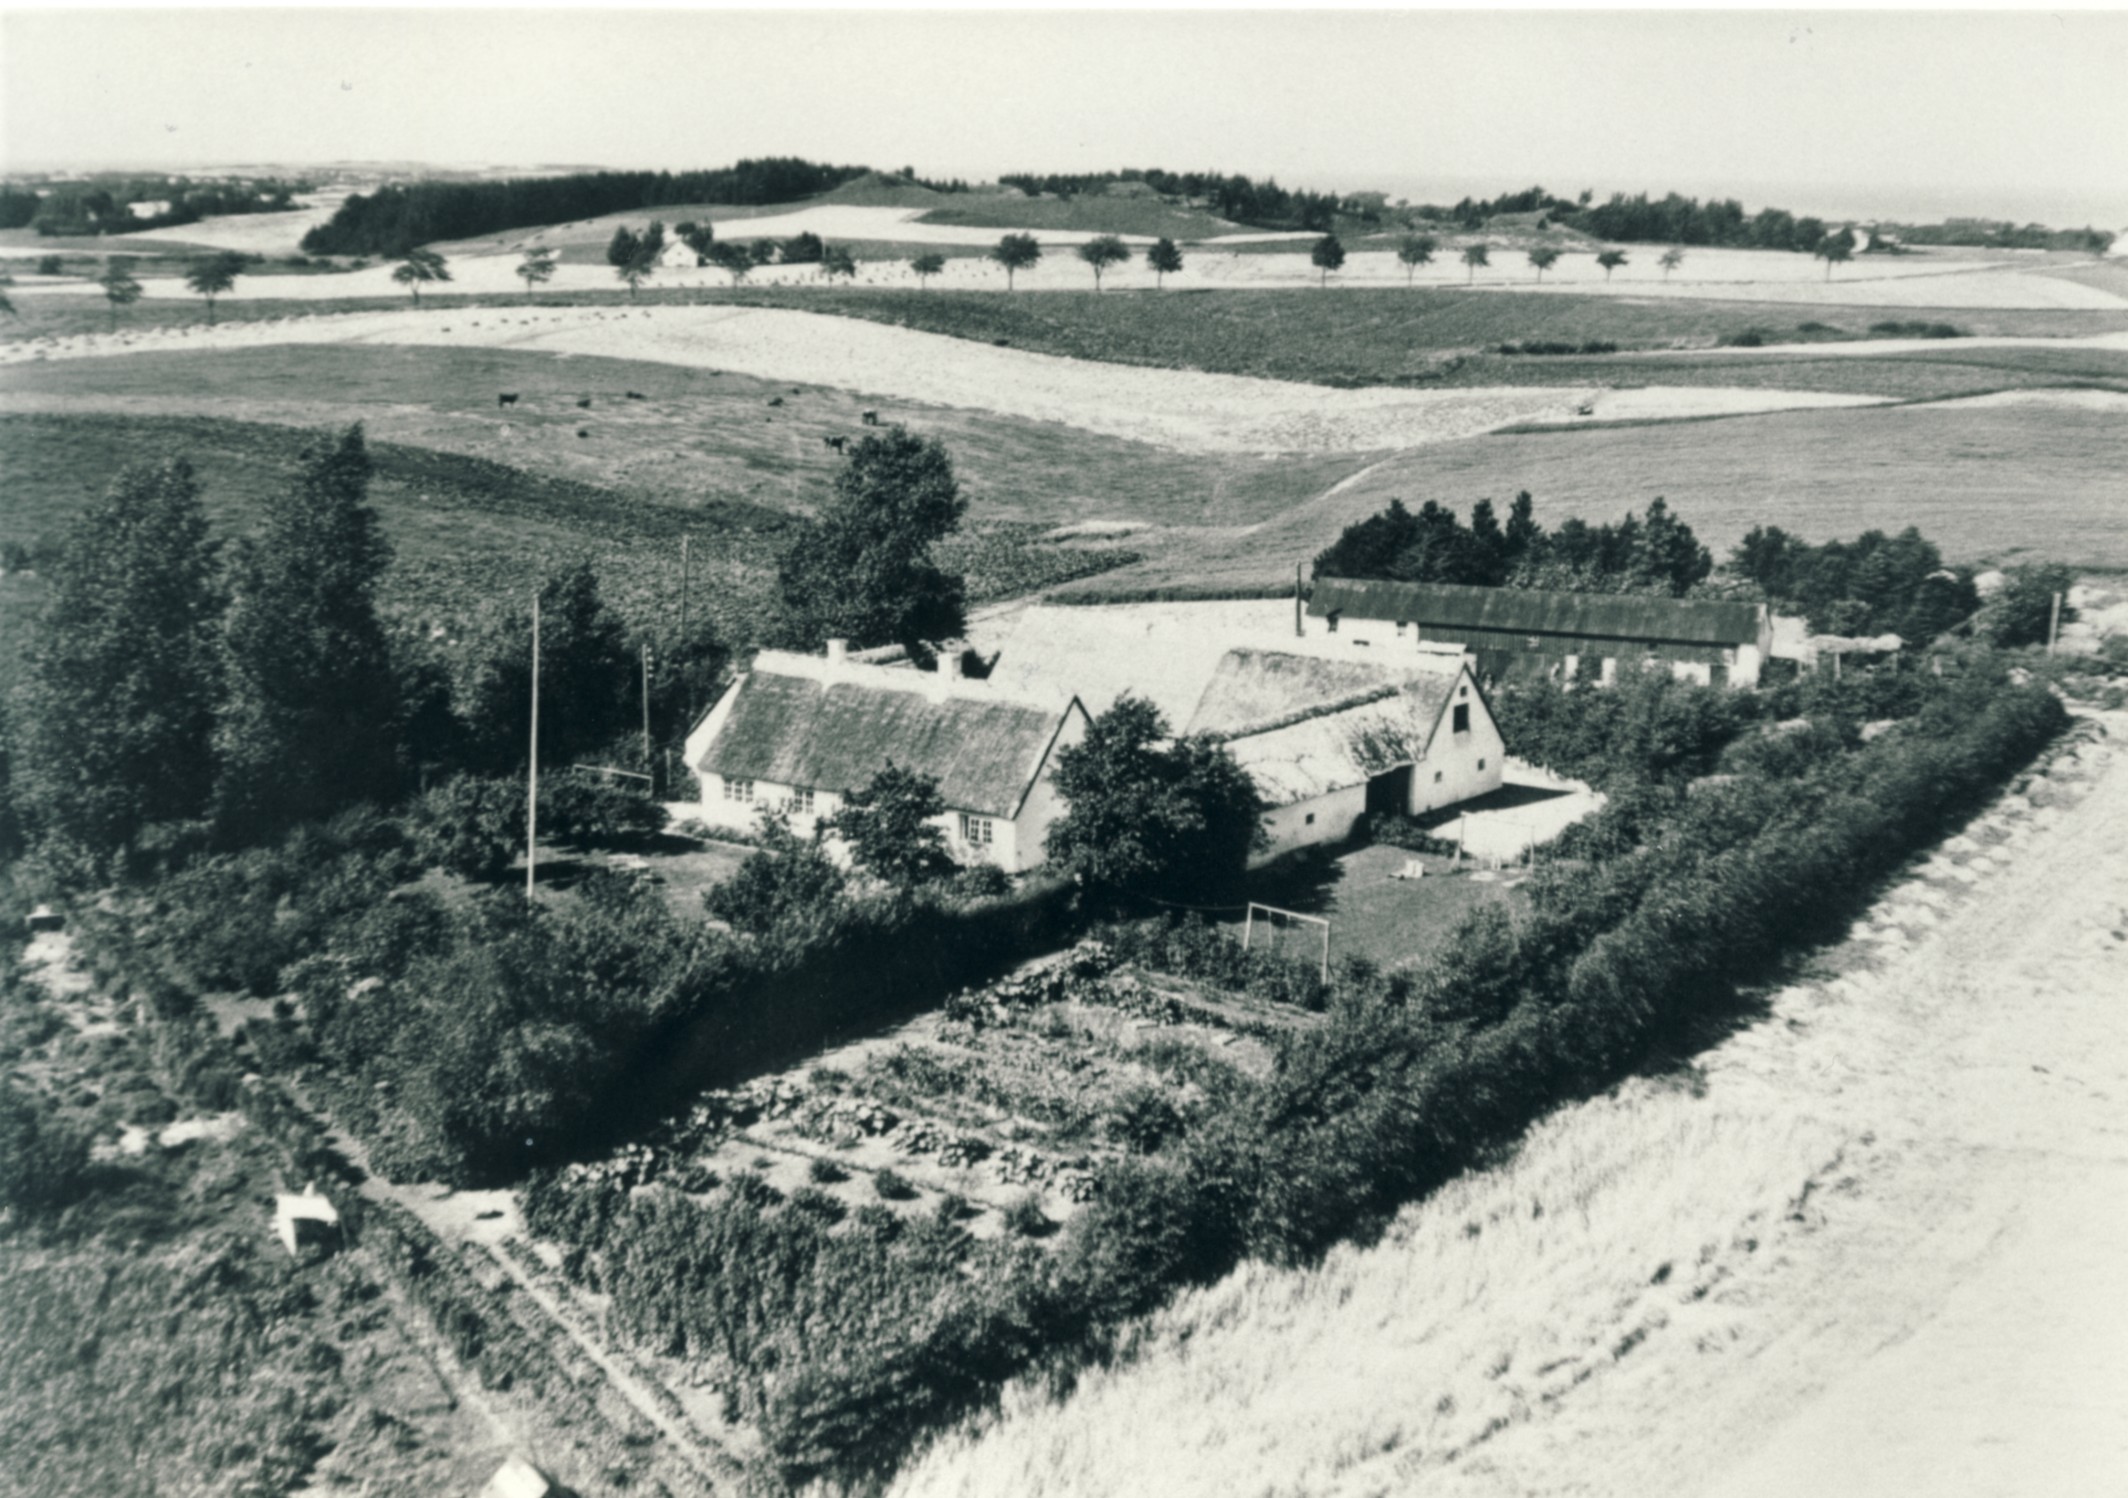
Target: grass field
column 1999, row 484
column 1100, row 214
column 1368, row 336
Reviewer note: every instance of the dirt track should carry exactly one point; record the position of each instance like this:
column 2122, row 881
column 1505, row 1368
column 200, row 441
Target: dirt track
column 1879, row 1244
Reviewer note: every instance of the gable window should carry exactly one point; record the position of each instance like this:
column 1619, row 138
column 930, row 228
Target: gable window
column 801, row 799
column 1462, row 721
column 976, row 831
column 739, row 790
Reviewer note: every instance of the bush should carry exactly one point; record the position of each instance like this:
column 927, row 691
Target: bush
column 472, row 826
column 893, row 1186
column 824, row 1172
column 42, row 1160
column 596, row 813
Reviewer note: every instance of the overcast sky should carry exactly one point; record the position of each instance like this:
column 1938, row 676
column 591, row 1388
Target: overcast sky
column 2020, row 113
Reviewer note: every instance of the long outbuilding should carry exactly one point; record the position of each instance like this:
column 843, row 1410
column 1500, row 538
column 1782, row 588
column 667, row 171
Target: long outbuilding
column 1575, row 635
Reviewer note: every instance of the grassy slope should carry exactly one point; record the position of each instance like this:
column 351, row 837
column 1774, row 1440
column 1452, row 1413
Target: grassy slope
column 1095, row 214
column 1389, row 336
column 698, row 438
column 1984, row 483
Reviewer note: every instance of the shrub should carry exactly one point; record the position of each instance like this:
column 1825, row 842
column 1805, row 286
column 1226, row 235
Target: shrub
column 472, row 826
column 42, row 1159
column 596, row 813
column 893, row 1186
column 824, row 1172
column 1024, row 1216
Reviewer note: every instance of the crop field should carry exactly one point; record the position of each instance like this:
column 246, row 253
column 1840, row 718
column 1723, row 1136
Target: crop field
column 1988, row 483
column 1371, row 336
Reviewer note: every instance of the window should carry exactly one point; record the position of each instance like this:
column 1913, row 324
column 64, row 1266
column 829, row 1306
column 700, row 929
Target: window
column 1462, row 723
column 1311, row 819
column 1437, row 777
column 802, row 799
column 1481, row 764
column 739, row 790
column 975, row 831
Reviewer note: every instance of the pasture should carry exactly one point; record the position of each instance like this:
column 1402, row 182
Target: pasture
column 1367, row 336
column 1986, row 481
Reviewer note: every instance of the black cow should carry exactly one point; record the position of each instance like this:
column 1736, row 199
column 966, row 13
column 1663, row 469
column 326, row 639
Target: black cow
column 834, row 442
column 507, row 398
column 635, row 395
column 871, row 418
column 584, row 404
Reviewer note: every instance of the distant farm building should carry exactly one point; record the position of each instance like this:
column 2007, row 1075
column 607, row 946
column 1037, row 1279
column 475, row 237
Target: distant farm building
column 1510, row 631
column 305, row 1220
column 798, row 733
column 1328, row 732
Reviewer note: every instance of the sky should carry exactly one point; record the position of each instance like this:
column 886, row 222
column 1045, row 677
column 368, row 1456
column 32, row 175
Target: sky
column 2021, row 114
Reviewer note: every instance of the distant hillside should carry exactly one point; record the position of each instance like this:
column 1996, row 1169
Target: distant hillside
column 1098, row 213
column 393, row 220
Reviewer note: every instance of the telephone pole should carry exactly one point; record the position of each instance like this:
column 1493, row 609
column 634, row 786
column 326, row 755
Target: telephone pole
column 532, row 780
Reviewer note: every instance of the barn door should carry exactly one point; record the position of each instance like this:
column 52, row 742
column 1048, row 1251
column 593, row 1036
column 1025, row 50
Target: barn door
column 1389, row 794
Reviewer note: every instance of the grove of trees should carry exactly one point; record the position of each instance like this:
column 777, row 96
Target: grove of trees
column 1654, row 552
column 394, row 219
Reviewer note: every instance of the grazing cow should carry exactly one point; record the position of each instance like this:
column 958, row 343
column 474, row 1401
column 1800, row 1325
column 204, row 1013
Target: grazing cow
column 584, row 404
column 776, row 400
column 635, row 395
column 834, row 442
column 507, row 398
column 871, row 418
column 583, row 431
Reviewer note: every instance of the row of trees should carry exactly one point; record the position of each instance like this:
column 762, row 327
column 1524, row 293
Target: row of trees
column 246, row 687
column 1651, row 553
column 393, row 220
column 1262, row 205
column 110, row 205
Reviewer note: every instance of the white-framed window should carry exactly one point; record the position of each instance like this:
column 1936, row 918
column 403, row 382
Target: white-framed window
column 976, row 831
column 739, row 790
column 802, row 799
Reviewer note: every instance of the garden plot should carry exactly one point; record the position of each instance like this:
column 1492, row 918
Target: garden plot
column 1008, row 1095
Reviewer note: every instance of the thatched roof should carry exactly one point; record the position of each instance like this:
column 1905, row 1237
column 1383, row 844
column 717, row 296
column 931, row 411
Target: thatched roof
column 1252, row 690
column 1446, row 607
column 1303, row 727
column 835, row 735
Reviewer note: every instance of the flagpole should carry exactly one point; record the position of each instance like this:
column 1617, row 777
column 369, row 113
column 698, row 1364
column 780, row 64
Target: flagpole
column 532, row 781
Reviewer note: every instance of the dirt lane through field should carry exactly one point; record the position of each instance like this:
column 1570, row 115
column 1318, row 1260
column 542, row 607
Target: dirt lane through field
column 1875, row 1243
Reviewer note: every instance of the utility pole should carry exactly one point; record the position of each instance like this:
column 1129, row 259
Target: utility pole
column 1297, row 630
column 647, row 765
column 532, row 780
column 2054, row 623
column 685, row 637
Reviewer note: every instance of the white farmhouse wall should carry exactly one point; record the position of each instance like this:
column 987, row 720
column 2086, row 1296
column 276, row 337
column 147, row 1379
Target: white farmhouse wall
column 1459, row 766
column 1324, row 819
column 1043, row 806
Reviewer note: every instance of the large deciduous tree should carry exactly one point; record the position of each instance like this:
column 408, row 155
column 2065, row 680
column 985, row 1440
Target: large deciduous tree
column 1153, row 815
column 1164, row 259
column 117, row 714
column 1103, row 252
column 1835, row 249
column 588, row 676
column 1610, row 260
column 1672, row 258
column 1415, row 250
column 309, row 718
column 212, row 275
column 536, row 269
column 119, row 287
column 733, row 259
column 926, row 266
column 1475, row 256
column 418, row 268
column 1016, row 252
column 633, row 256
column 864, row 571
column 1327, row 256
column 1542, row 259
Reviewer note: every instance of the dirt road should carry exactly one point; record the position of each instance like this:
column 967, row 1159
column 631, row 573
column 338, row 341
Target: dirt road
column 1877, row 1243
